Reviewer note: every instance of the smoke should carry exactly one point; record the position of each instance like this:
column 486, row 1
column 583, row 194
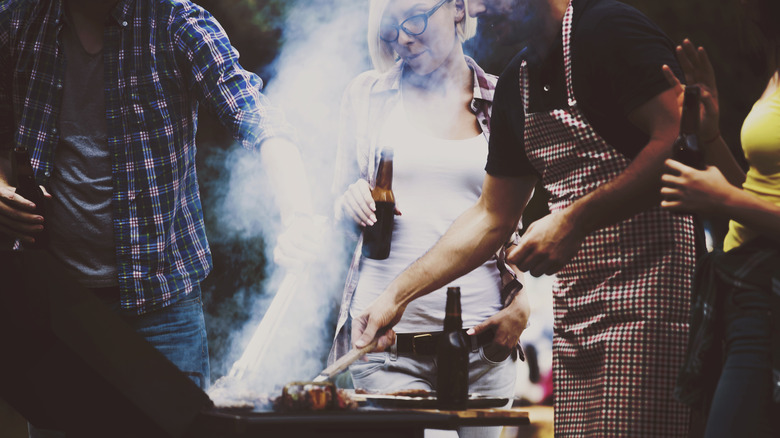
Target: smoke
column 323, row 48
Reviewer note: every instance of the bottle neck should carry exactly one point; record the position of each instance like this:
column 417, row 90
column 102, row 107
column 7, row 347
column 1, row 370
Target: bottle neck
column 384, row 179
column 452, row 317
column 689, row 122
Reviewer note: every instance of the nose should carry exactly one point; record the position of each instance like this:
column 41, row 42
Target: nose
column 404, row 38
column 476, row 8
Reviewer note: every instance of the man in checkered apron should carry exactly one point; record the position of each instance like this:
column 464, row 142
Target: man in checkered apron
column 584, row 109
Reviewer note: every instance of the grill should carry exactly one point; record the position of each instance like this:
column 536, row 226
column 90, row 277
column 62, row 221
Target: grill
column 71, row 364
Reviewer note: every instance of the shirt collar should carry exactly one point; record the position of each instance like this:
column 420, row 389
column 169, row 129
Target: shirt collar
column 121, row 12
column 484, row 89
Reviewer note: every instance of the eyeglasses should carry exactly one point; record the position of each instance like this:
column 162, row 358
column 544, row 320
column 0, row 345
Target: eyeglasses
column 412, row 26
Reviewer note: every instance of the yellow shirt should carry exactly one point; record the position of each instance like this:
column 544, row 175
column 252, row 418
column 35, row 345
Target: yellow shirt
column 761, row 144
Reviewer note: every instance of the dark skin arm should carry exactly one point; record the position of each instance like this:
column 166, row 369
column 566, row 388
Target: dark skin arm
column 551, row 242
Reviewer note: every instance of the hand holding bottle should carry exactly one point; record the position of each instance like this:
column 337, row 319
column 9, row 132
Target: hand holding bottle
column 698, row 71
column 357, row 204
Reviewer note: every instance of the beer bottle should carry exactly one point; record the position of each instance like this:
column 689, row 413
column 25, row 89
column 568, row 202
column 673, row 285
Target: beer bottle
column 686, row 147
column 376, row 238
column 26, row 186
column 452, row 358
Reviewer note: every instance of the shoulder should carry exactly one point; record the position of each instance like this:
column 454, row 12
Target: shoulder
column 16, row 9
column 179, row 12
column 610, row 21
column 509, row 80
column 17, row 14
column 374, row 82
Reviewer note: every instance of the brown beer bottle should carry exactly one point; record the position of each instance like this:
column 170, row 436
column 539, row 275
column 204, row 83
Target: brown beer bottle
column 26, row 186
column 686, row 147
column 377, row 237
column 452, row 358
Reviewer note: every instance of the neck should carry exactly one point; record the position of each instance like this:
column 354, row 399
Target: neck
column 94, row 11
column 454, row 73
column 551, row 14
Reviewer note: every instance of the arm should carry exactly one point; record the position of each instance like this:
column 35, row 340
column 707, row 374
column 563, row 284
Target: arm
column 220, row 83
column 552, row 241
column 471, row 239
column 708, row 192
column 233, row 94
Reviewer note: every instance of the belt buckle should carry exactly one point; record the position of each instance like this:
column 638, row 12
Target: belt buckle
column 414, row 340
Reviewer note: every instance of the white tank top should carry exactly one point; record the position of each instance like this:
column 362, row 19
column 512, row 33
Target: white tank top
column 434, row 181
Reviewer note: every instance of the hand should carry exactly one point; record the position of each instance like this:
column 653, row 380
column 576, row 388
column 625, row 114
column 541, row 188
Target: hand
column 547, row 245
column 358, row 204
column 698, row 71
column 508, row 324
column 377, row 321
column 17, row 217
column 686, row 189
column 307, row 239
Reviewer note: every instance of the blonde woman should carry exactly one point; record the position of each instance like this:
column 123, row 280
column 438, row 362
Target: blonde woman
column 431, row 105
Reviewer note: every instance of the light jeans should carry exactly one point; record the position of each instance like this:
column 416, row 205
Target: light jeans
column 177, row 331
column 381, row 372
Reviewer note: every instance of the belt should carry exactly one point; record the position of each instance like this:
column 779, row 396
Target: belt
column 424, row 344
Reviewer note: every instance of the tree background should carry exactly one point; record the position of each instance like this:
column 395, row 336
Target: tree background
column 257, row 30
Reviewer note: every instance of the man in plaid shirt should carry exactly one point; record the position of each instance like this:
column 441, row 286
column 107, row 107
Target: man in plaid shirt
column 105, row 94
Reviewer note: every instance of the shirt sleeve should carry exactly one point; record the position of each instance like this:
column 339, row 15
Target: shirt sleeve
column 222, row 84
column 624, row 53
column 506, row 151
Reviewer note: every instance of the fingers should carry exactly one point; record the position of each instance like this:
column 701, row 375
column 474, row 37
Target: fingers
column 672, row 79
column 358, row 204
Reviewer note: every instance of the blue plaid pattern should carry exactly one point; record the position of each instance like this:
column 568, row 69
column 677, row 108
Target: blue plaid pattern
column 162, row 58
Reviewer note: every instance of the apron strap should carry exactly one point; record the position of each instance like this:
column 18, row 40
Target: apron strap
column 567, row 21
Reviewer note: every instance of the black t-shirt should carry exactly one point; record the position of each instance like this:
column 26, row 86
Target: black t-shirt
column 617, row 54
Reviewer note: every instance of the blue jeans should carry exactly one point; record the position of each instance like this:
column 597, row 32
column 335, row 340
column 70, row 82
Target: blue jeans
column 743, row 405
column 177, row 331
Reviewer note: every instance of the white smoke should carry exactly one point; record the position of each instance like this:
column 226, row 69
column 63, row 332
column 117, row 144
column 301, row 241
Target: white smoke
column 324, row 48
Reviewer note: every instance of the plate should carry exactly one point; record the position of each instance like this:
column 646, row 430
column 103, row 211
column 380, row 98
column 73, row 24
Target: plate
column 475, row 401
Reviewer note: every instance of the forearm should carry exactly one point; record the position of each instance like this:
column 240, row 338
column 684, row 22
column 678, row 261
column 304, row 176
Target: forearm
column 633, row 191
column 287, row 177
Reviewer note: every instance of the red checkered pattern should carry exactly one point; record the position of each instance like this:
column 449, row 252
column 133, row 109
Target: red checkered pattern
column 622, row 304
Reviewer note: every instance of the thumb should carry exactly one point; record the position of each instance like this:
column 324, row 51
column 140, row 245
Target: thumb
column 368, row 335
column 481, row 327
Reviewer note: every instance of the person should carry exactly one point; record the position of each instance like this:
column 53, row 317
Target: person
column 586, row 109
column 430, row 104
column 739, row 336
column 105, row 97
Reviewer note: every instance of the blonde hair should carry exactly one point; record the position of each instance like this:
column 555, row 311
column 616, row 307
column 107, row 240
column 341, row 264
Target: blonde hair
column 382, row 54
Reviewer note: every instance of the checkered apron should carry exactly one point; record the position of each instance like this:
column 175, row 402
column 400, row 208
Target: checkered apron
column 622, row 304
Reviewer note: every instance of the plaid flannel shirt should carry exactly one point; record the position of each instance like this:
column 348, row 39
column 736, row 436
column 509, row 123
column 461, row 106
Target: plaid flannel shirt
column 162, row 58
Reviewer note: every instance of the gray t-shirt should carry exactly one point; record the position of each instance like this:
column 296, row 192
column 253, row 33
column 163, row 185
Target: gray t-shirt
column 80, row 218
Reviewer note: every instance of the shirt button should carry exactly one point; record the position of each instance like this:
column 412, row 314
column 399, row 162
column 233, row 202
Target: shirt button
column 546, row 87
column 47, row 173
column 59, row 86
column 54, row 131
column 124, row 24
column 484, row 121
